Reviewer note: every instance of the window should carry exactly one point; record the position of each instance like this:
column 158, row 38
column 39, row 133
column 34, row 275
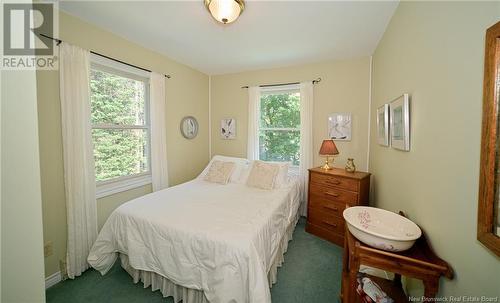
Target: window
column 279, row 124
column 119, row 99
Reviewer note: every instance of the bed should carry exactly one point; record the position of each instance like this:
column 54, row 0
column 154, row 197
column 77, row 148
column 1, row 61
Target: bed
column 202, row 242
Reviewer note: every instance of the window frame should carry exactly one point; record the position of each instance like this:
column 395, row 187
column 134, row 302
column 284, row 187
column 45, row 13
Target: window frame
column 275, row 90
column 123, row 183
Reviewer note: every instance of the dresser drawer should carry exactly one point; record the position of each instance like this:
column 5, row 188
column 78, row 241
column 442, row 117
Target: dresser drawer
column 334, row 194
column 327, row 205
column 327, row 221
column 328, row 180
column 329, row 193
column 337, row 238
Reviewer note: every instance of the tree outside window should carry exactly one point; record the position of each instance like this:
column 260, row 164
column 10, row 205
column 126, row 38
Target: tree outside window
column 120, row 128
column 279, row 126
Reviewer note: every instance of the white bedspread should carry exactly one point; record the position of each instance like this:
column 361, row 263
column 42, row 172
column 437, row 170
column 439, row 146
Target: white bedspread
column 221, row 239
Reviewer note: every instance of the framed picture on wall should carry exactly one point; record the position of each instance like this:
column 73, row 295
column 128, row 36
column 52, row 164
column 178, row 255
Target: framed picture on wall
column 400, row 123
column 383, row 125
column 228, row 128
column 339, row 126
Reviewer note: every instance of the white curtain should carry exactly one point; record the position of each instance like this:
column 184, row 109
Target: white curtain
column 79, row 176
column 306, row 139
column 253, row 122
column 159, row 168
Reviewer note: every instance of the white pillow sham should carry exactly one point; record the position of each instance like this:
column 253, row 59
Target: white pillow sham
column 281, row 179
column 220, row 172
column 240, row 165
column 263, row 175
column 243, row 167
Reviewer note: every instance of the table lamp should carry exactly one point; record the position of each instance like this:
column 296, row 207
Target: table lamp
column 328, row 149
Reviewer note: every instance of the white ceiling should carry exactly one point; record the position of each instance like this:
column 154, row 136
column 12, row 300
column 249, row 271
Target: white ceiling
column 268, row 34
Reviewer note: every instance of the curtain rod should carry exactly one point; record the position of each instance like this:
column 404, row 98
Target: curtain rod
column 317, row 80
column 59, row 41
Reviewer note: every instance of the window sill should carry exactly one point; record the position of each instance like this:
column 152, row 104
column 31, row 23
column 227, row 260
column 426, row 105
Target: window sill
column 107, row 189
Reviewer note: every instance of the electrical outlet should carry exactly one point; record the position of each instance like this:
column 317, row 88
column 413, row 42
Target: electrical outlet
column 48, row 249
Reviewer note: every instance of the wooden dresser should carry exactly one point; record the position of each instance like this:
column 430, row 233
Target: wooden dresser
column 330, row 192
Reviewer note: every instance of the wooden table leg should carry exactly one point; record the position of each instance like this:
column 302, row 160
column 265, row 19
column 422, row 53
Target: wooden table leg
column 431, row 288
column 353, row 278
column 397, row 280
column 344, row 290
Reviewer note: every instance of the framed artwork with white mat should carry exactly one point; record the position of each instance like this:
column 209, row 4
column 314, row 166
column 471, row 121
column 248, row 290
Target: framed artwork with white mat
column 400, row 123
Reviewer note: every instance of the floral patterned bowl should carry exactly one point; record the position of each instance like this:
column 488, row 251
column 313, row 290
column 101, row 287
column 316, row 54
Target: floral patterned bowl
column 381, row 228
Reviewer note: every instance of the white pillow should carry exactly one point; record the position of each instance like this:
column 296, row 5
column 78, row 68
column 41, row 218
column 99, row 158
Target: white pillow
column 241, row 164
column 220, row 172
column 263, row 175
column 245, row 171
column 281, row 178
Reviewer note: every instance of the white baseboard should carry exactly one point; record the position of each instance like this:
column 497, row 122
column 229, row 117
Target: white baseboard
column 53, row 279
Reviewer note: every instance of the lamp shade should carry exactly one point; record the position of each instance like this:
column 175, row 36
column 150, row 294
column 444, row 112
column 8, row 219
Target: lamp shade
column 328, row 148
column 225, row 11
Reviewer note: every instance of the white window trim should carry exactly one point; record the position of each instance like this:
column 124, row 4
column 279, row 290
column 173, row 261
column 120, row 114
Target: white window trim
column 132, row 72
column 121, row 184
column 280, row 89
column 118, row 185
column 284, row 129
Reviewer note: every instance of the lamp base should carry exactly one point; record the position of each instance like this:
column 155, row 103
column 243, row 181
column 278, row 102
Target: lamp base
column 326, row 166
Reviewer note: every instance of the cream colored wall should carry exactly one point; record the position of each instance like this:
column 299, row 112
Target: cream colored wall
column 22, row 278
column 187, row 94
column 344, row 88
column 434, row 51
column 106, row 205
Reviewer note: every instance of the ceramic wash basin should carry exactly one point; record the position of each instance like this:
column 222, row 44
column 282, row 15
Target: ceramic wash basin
column 381, row 228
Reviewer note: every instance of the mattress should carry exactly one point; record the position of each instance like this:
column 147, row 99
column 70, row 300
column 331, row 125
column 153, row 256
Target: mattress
column 220, row 239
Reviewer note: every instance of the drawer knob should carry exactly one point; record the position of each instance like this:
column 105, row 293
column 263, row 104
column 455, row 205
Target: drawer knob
column 331, row 194
column 334, row 208
column 331, row 224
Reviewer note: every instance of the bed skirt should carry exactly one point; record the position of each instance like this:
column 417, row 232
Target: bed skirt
column 189, row 295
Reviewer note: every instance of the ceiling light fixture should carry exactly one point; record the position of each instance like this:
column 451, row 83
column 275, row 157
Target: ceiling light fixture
column 225, row 11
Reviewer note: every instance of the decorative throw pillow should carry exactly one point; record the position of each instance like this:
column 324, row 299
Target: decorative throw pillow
column 241, row 164
column 263, row 175
column 220, row 172
column 282, row 177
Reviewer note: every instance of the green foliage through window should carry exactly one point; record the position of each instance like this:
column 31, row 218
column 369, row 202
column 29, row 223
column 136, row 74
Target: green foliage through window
column 279, row 127
column 120, row 132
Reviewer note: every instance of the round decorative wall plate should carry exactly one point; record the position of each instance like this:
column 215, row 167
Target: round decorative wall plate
column 189, row 127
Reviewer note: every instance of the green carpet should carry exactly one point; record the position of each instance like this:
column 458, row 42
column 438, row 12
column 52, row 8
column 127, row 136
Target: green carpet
column 311, row 273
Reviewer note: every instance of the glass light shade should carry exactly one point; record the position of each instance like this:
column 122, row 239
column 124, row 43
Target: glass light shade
column 225, row 11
